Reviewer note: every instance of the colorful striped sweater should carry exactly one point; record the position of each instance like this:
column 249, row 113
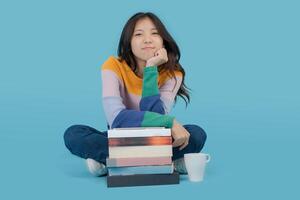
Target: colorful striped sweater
column 131, row 101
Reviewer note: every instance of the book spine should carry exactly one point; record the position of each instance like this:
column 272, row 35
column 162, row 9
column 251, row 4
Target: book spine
column 142, row 180
column 164, row 169
column 139, row 141
column 113, row 133
column 140, row 151
column 127, row 162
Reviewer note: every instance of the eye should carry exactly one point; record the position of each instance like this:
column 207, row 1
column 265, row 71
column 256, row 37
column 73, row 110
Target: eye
column 137, row 34
column 155, row 33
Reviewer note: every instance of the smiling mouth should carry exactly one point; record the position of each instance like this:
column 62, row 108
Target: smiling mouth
column 147, row 48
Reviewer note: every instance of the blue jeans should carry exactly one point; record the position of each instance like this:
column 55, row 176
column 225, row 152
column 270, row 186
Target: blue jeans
column 87, row 142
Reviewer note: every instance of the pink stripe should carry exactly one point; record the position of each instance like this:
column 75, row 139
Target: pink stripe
column 132, row 101
column 110, row 83
column 168, row 92
column 113, row 86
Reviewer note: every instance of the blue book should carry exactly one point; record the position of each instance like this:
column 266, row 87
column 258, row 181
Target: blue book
column 159, row 169
column 142, row 179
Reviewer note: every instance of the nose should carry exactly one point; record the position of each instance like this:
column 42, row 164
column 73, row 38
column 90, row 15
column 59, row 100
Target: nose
column 147, row 39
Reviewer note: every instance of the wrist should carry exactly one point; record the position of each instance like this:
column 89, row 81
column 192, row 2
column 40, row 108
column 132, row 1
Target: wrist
column 174, row 123
column 149, row 64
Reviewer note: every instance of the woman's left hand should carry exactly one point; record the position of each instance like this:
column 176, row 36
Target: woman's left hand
column 180, row 135
column 160, row 57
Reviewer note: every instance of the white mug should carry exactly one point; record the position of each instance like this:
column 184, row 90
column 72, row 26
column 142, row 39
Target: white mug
column 195, row 165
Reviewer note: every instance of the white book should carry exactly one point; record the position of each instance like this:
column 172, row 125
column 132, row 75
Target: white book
column 140, row 151
column 139, row 132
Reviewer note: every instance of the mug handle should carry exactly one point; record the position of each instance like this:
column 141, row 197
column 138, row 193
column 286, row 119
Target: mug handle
column 207, row 158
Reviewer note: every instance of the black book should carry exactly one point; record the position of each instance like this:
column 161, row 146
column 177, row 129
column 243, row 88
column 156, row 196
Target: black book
column 142, row 180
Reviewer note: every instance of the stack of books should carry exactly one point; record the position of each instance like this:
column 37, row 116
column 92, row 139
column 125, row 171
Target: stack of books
column 140, row 156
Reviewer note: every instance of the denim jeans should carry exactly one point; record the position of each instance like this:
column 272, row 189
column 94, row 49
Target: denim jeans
column 87, row 142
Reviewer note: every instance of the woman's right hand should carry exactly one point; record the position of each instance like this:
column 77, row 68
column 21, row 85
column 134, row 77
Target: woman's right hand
column 160, row 57
column 180, row 135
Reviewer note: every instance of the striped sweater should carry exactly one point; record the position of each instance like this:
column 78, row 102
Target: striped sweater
column 131, row 101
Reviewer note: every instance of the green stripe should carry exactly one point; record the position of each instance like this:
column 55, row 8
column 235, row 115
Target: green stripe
column 152, row 119
column 150, row 81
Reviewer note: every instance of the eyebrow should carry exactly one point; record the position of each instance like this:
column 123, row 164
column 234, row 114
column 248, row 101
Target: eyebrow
column 143, row 30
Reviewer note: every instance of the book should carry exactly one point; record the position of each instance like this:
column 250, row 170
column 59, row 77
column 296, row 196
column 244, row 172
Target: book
column 138, row 132
column 139, row 141
column 140, row 151
column 155, row 169
column 126, row 162
column 142, row 180
column 138, row 128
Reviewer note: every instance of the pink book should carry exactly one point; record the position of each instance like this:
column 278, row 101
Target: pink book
column 125, row 162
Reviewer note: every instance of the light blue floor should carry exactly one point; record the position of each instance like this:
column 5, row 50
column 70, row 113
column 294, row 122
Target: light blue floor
column 241, row 60
column 252, row 156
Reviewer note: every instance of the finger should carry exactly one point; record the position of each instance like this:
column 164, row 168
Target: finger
column 162, row 50
column 175, row 144
column 159, row 52
column 183, row 146
column 165, row 54
column 188, row 137
column 178, row 142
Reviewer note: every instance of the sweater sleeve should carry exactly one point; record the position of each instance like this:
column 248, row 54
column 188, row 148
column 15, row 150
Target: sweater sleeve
column 150, row 100
column 159, row 100
column 168, row 92
column 117, row 115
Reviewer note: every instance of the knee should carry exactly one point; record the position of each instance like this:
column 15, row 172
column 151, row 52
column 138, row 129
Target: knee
column 70, row 135
column 197, row 137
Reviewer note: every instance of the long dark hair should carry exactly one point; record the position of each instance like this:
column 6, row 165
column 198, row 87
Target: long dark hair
column 125, row 52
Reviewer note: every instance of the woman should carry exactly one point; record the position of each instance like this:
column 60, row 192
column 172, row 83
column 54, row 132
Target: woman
column 139, row 89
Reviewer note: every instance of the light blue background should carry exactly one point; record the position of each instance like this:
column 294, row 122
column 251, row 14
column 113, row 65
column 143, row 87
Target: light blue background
column 241, row 60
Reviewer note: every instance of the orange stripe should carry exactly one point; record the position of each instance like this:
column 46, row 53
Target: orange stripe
column 132, row 82
column 138, row 141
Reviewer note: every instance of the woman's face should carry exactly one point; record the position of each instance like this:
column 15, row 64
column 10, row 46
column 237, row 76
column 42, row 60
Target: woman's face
column 145, row 40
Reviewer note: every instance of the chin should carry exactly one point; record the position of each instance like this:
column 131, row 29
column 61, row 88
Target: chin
column 147, row 56
column 144, row 56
